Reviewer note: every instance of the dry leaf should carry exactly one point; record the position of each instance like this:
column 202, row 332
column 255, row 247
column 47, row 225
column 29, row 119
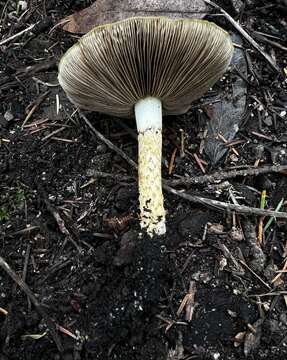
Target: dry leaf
column 108, row 11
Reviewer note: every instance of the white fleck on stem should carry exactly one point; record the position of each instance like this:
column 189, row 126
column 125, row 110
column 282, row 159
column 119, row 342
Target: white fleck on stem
column 148, row 114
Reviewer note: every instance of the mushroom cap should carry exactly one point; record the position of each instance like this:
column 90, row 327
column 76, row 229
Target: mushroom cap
column 113, row 66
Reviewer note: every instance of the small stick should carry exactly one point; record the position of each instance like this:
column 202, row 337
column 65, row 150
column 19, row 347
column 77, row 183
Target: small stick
column 240, row 209
column 35, row 106
column 69, row 141
column 26, row 262
column 3, row 311
column 261, row 219
column 280, row 273
column 171, row 164
column 188, row 302
column 182, row 154
column 277, row 293
column 17, row 35
column 53, row 133
column 24, row 231
column 256, row 275
column 229, row 256
column 199, row 163
column 108, row 142
column 36, row 123
column 262, row 136
column 261, row 37
column 246, row 36
column 220, row 175
column 222, row 206
column 59, row 220
column 117, row 177
column 227, row 143
column 50, row 325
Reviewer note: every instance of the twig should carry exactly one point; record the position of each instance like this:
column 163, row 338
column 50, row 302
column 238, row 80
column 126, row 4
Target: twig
column 256, row 275
column 24, row 231
column 222, row 206
column 281, row 272
column 229, row 256
column 17, row 35
column 26, row 262
column 38, row 67
column 188, row 302
column 53, row 133
column 40, row 99
column 276, row 293
column 117, row 177
column 203, row 179
column 261, row 37
column 50, row 325
column 246, row 36
column 199, row 163
column 220, row 175
column 171, row 164
column 61, row 224
column 225, row 141
column 108, row 142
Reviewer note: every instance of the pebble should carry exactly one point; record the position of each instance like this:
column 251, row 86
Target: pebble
column 8, row 116
column 268, row 121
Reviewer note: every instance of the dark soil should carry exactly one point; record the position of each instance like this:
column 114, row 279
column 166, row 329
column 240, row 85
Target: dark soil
column 72, row 234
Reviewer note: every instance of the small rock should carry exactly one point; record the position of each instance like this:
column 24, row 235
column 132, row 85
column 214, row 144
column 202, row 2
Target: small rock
column 270, row 271
column 258, row 151
column 101, row 149
column 215, row 228
column 23, row 5
column 233, row 158
column 8, row 116
column 268, row 121
column 101, row 161
column 203, row 277
column 237, row 5
column 236, row 234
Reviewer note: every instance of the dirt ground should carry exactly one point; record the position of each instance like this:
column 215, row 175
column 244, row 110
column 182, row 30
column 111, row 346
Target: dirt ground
column 95, row 287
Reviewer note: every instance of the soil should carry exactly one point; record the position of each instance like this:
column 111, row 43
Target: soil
column 69, row 214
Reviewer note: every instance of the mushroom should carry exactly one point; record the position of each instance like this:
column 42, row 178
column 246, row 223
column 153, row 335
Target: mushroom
column 144, row 67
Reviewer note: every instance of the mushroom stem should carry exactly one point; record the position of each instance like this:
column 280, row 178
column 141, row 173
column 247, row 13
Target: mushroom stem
column 148, row 115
